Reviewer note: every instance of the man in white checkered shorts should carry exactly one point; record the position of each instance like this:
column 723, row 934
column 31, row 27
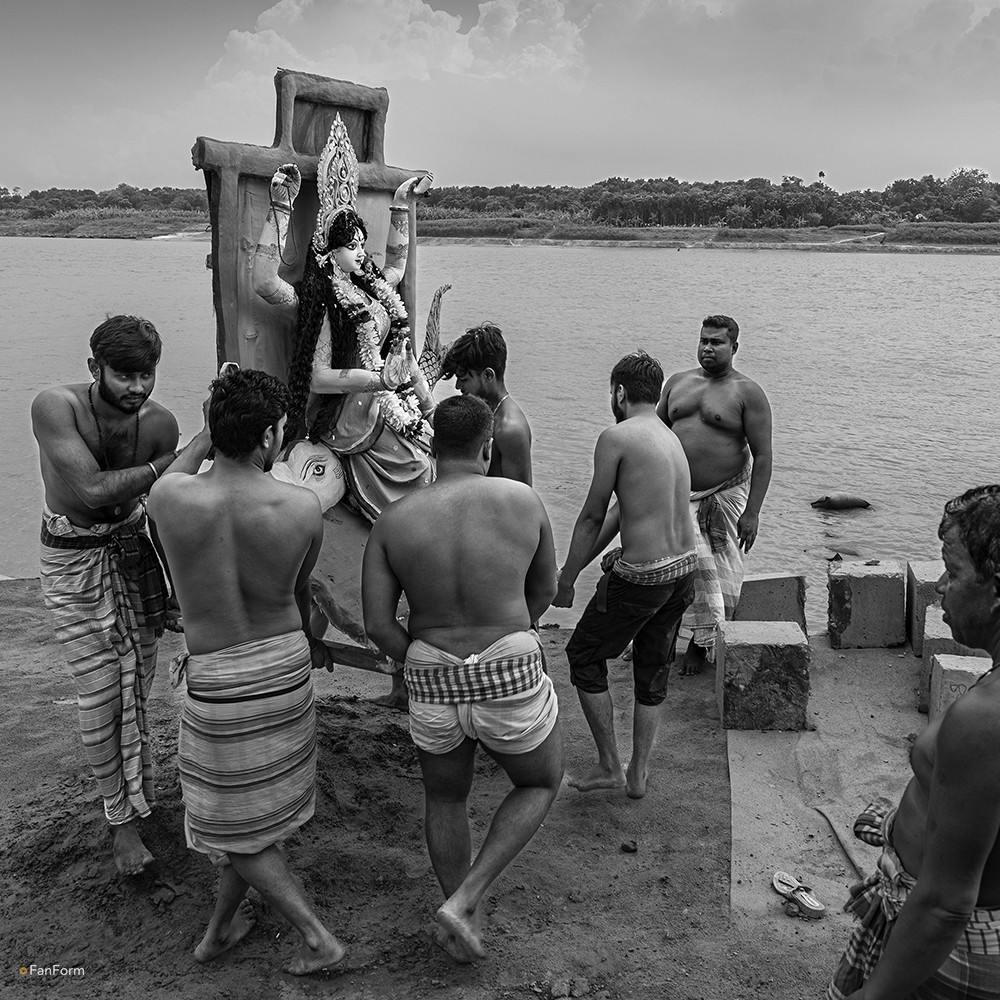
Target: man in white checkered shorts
column 474, row 556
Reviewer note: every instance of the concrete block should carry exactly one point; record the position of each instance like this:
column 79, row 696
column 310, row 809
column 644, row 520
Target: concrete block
column 938, row 641
column 762, row 675
column 867, row 604
column 921, row 579
column 767, row 598
column 951, row 677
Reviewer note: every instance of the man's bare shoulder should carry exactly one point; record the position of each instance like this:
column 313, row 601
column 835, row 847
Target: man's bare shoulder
column 748, row 387
column 511, row 421
column 678, row 378
column 56, row 399
column 156, row 412
column 970, row 730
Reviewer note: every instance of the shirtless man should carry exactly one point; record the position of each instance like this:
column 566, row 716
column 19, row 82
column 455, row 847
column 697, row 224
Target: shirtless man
column 478, row 360
column 102, row 445
column 938, row 883
column 647, row 582
column 242, row 545
column 723, row 420
column 474, row 557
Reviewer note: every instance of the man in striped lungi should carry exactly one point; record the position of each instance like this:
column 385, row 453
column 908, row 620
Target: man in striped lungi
column 102, row 445
column 241, row 546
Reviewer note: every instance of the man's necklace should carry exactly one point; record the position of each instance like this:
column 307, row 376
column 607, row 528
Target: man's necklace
column 497, row 407
column 103, row 462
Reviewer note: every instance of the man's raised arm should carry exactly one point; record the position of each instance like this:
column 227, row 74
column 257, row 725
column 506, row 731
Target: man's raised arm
column 54, row 425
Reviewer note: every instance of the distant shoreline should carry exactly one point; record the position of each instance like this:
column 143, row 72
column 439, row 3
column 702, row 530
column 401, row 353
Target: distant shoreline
column 852, row 247
column 140, row 226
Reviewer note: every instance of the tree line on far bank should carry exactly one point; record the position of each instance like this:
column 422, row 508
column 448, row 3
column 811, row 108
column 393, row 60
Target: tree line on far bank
column 124, row 198
column 966, row 196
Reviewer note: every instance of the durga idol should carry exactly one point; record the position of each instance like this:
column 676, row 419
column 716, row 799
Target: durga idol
column 355, row 384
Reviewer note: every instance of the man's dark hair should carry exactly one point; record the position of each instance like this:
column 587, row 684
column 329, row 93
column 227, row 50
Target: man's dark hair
column 726, row 323
column 476, row 350
column 126, row 344
column 976, row 515
column 244, row 404
column 640, row 375
column 462, row 424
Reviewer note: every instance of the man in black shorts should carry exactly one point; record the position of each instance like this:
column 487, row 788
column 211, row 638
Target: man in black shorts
column 648, row 581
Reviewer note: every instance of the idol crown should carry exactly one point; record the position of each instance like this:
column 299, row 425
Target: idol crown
column 336, row 181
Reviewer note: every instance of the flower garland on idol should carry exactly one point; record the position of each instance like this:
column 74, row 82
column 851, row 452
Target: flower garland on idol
column 400, row 407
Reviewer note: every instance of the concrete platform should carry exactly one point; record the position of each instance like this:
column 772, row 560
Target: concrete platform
column 795, row 796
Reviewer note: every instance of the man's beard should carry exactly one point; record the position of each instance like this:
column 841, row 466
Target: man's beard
column 619, row 414
column 105, row 393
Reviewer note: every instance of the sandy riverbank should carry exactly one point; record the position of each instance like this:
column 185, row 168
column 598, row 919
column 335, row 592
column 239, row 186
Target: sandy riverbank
column 689, row 914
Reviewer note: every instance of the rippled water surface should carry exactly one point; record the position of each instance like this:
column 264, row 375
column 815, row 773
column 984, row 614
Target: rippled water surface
column 881, row 369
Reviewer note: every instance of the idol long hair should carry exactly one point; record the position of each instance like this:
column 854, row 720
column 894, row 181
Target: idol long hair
column 316, row 300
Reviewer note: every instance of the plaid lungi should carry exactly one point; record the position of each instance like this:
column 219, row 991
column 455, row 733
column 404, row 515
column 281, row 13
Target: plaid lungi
column 511, row 665
column 105, row 589
column 970, row 972
column 718, row 576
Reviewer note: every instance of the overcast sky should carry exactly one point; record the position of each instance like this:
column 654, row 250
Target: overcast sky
column 97, row 92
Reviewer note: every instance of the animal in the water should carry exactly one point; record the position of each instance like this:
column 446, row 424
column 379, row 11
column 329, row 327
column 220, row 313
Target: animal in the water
column 840, row 501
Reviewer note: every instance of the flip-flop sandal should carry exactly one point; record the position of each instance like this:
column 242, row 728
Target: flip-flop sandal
column 801, row 895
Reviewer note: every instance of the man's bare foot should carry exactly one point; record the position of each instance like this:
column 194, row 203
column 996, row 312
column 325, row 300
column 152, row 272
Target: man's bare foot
column 215, row 943
column 596, row 778
column 635, row 783
column 449, row 944
column 695, row 659
column 328, row 954
column 459, row 933
column 131, row 855
column 397, row 696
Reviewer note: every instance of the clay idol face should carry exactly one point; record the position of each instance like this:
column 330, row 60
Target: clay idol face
column 351, row 257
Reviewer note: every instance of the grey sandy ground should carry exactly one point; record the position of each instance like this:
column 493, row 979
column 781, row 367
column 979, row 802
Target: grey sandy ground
column 574, row 909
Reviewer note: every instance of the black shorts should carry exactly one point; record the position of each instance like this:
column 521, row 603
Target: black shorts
column 648, row 617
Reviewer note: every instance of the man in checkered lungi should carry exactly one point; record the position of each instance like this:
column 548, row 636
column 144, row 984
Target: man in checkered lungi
column 102, row 445
column 929, row 917
column 474, row 556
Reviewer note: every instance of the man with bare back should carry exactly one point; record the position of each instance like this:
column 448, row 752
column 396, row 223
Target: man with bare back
column 929, row 916
column 241, row 546
column 102, row 445
column 723, row 421
column 474, row 556
column 647, row 582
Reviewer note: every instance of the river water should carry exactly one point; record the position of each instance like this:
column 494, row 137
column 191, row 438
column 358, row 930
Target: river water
column 881, row 369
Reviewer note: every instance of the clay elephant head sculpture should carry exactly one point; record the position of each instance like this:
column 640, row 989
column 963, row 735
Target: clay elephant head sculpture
column 315, row 467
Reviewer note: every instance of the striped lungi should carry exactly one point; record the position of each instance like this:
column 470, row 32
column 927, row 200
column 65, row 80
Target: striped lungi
column 247, row 747
column 106, row 592
column 718, row 577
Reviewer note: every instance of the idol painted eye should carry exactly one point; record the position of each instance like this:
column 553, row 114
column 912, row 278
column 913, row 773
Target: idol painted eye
column 319, row 469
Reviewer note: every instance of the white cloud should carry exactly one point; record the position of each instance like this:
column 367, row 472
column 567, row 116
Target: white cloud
column 569, row 91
